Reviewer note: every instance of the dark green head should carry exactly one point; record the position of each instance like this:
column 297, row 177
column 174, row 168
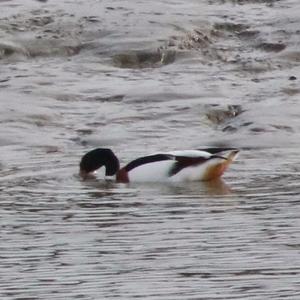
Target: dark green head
column 97, row 158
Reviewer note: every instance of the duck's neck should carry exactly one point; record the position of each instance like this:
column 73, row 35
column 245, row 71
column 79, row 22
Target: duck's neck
column 122, row 176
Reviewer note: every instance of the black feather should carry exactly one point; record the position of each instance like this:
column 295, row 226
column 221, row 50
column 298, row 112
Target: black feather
column 146, row 160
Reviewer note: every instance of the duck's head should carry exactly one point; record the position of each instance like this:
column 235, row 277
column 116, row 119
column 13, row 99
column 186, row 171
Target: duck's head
column 97, row 158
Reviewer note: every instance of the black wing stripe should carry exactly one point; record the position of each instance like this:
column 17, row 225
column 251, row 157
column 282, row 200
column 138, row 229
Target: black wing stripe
column 184, row 162
column 215, row 150
column 147, row 159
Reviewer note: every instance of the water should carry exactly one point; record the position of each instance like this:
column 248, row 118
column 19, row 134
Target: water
column 140, row 77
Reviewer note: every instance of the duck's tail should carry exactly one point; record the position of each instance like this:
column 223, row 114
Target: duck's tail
column 220, row 163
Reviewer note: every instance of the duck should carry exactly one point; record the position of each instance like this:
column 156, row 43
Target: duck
column 175, row 166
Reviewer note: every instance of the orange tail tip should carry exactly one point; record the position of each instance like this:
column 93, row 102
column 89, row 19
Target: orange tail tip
column 217, row 169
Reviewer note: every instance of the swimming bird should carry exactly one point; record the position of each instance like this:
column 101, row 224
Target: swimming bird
column 183, row 165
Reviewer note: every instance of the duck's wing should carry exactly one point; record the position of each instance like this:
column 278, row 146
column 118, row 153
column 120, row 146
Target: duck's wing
column 147, row 160
column 188, row 157
column 191, row 158
column 165, row 165
column 215, row 150
column 203, row 164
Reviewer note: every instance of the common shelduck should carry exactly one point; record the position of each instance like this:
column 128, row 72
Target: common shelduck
column 186, row 165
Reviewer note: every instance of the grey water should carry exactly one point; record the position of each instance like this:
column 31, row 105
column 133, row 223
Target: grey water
column 140, row 77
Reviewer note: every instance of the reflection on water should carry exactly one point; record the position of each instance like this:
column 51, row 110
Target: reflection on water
column 140, row 78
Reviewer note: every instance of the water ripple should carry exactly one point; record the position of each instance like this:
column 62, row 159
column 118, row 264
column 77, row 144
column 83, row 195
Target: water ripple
column 140, row 78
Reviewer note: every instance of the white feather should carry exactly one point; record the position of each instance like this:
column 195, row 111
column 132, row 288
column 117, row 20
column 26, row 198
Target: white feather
column 156, row 171
column 190, row 153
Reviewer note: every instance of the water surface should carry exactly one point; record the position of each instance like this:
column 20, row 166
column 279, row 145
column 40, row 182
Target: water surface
column 141, row 77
